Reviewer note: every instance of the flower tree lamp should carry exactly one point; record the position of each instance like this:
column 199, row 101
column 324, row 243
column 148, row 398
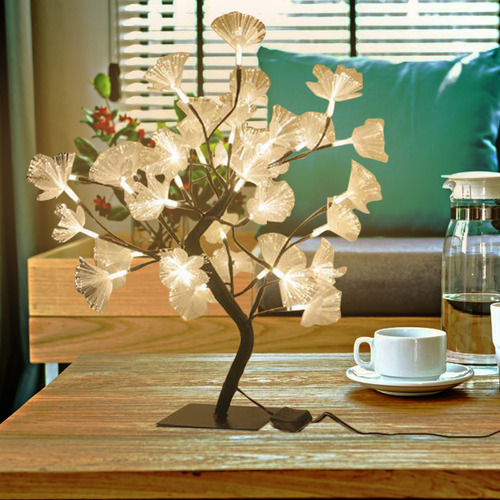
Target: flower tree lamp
column 158, row 180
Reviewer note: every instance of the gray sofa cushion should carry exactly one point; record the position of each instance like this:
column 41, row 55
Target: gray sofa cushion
column 385, row 276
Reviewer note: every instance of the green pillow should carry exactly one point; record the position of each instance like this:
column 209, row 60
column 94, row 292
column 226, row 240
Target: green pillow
column 440, row 117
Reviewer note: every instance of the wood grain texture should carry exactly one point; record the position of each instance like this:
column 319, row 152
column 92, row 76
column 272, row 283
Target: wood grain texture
column 51, row 280
column 62, row 339
column 91, row 434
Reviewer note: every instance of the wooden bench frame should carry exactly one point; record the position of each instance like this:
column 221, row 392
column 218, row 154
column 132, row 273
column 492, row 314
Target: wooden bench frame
column 139, row 319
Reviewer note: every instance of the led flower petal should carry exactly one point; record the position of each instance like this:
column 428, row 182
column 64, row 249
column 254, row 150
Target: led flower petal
column 177, row 269
column 191, row 302
column 166, row 74
column 341, row 219
column 254, row 85
column 250, row 169
column 220, row 157
column 313, row 125
column 217, row 231
column 71, row 223
column 191, row 132
column 174, row 157
column 285, row 128
column 117, row 165
column 270, row 247
column 239, row 30
column 323, row 309
column 112, row 257
column 241, row 262
column 96, row 284
column 278, row 169
column 322, row 263
column 208, row 110
column 368, row 140
column 150, row 200
column 297, row 287
column 272, row 202
column 50, row 175
column 342, row 85
column 363, row 188
column 240, row 114
column 253, row 145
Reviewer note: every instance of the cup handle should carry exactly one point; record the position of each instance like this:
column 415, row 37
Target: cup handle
column 359, row 361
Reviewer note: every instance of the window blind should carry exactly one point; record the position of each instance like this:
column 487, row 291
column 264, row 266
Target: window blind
column 410, row 30
column 397, row 30
column 146, row 31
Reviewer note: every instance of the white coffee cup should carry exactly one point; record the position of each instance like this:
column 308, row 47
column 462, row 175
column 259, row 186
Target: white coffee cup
column 405, row 352
column 495, row 329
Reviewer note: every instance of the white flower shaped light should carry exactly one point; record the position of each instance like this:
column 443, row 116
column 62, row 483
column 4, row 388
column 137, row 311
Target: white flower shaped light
column 250, row 170
column 191, row 132
column 220, row 157
column 363, row 188
column 241, row 263
column 191, row 302
column 178, row 269
column 208, row 111
column 323, row 308
column 272, row 202
column 271, row 245
column 312, row 127
column 240, row 114
column 149, row 201
column 342, row 85
column 253, row 87
column 175, row 154
column 322, row 263
column 117, row 165
column 297, row 287
column 113, row 258
column 217, row 231
column 341, row 219
column 51, row 175
column 71, row 224
column 368, row 140
column 277, row 169
column 239, row 31
column 166, row 74
column 285, row 128
column 96, row 283
column 258, row 143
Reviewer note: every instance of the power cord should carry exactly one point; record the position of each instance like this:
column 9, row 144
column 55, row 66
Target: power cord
column 292, row 420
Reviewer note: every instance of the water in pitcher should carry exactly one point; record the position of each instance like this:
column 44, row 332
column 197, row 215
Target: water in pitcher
column 467, row 322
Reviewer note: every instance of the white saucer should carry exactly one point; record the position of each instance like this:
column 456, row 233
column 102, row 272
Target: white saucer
column 454, row 375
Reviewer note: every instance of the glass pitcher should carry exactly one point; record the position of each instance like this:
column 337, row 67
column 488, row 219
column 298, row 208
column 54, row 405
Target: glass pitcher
column 471, row 266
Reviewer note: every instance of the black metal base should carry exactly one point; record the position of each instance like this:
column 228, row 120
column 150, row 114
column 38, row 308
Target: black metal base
column 241, row 418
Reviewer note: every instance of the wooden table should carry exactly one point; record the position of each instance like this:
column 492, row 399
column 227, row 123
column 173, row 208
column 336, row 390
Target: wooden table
column 91, row 434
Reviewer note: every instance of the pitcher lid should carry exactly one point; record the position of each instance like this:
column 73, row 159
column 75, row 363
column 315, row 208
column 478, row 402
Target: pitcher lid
column 473, row 185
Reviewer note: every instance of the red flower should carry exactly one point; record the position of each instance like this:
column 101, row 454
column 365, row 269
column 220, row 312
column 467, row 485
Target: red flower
column 140, row 134
column 102, row 206
column 102, row 120
column 151, row 143
column 125, row 118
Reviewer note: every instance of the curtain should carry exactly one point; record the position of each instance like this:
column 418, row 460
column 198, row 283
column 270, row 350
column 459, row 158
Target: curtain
column 19, row 210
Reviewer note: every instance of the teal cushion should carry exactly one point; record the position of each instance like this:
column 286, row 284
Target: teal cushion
column 440, row 117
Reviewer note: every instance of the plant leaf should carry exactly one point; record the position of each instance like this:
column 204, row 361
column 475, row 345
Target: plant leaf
column 102, row 84
column 86, row 148
column 81, row 165
column 118, row 213
column 178, row 111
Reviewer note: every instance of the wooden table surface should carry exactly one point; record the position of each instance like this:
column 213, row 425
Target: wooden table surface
column 91, row 434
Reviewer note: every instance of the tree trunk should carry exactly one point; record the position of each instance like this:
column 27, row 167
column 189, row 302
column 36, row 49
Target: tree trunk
column 229, row 304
